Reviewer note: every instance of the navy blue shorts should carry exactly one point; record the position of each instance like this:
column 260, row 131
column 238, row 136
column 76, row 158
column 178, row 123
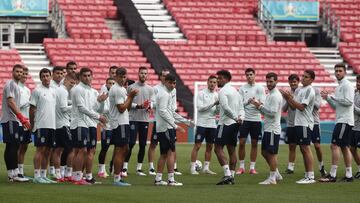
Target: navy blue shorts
column 315, row 135
column 63, row 137
column 303, row 135
column 227, row 134
column 79, row 137
column 154, row 137
column 11, row 132
column 167, row 141
column 121, row 135
column 355, row 138
column 208, row 134
column 270, row 142
column 44, row 137
column 92, row 138
column 106, row 139
column 290, row 136
column 138, row 128
column 250, row 127
column 341, row 135
column 24, row 136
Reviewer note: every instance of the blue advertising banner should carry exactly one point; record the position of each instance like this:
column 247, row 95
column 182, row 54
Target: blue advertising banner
column 24, row 8
column 293, row 10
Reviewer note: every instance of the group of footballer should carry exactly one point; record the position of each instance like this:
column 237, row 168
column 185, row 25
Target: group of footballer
column 65, row 114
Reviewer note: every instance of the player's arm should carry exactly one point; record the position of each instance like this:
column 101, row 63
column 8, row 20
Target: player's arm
column 203, row 105
column 123, row 106
column 32, row 112
column 346, row 99
column 317, row 102
column 80, row 101
column 224, row 103
column 241, row 112
column 271, row 109
column 162, row 102
column 357, row 109
column 63, row 102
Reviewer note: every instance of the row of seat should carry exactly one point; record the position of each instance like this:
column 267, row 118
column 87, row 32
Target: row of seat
column 86, row 19
column 351, row 53
column 107, row 42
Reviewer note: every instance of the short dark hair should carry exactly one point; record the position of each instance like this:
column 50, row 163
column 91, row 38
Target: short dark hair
column 311, row 73
column 17, row 66
column 113, row 67
column 121, row 71
column 44, row 70
column 293, row 77
column 212, row 77
column 163, row 70
column 225, row 73
column 25, row 69
column 58, row 68
column 130, row 82
column 358, row 77
column 70, row 63
column 107, row 79
column 170, row 78
column 249, row 70
column 85, row 70
column 142, row 68
column 271, row 75
column 340, row 65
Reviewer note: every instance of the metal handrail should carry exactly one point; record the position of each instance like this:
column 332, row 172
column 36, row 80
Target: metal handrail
column 331, row 22
column 266, row 19
column 58, row 19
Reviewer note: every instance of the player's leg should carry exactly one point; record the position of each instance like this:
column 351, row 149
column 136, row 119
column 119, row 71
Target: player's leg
column 60, row 135
column 121, row 142
column 151, row 151
column 133, row 135
column 255, row 134
column 290, row 139
column 199, row 137
column 91, row 149
column 25, row 139
column 303, row 135
column 105, row 144
column 243, row 134
column 176, row 171
column 79, row 136
column 270, row 147
column 170, row 136
column 221, row 140
column 354, row 144
column 164, row 153
column 143, row 132
column 316, row 140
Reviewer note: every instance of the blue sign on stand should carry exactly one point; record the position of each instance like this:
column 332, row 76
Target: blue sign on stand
column 24, row 8
column 293, row 10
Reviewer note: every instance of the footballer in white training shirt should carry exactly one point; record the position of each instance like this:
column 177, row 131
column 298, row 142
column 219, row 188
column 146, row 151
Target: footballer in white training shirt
column 207, row 107
column 43, row 120
column 271, row 110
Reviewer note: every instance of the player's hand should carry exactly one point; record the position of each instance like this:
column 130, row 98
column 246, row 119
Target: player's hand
column 191, row 123
column 146, row 104
column 180, row 129
column 102, row 119
column 102, row 97
column 133, row 92
column 324, row 94
column 239, row 120
column 24, row 121
column 286, row 94
column 217, row 102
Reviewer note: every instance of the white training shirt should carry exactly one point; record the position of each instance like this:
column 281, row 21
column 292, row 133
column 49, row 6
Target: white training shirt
column 146, row 92
column 343, row 102
column 25, row 94
column 11, row 89
column 160, row 87
column 231, row 106
column 247, row 92
column 272, row 111
column 165, row 113
column 357, row 111
column 117, row 95
column 317, row 105
column 206, row 109
column 306, row 95
column 82, row 110
column 96, row 107
column 44, row 99
column 63, row 109
column 291, row 111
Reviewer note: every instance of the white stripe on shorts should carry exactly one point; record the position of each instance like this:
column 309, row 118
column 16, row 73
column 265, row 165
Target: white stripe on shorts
column 79, row 133
column 167, row 135
column 342, row 131
column 122, row 130
column 11, row 127
column 304, row 132
column 220, row 131
column 272, row 139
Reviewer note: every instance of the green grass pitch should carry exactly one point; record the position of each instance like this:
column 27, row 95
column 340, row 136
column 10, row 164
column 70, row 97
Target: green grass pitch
column 199, row 188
